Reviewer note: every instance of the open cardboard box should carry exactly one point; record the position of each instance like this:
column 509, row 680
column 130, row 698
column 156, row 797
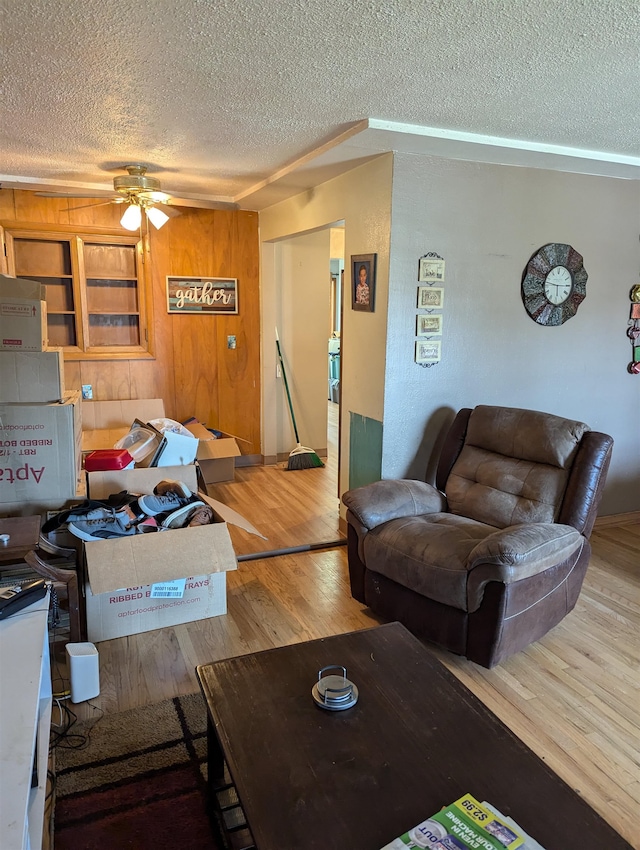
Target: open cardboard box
column 216, row 456
column 124, row 573
column 106, row 422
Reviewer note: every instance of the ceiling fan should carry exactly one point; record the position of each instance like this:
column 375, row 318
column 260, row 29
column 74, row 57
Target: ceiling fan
column 136, row 189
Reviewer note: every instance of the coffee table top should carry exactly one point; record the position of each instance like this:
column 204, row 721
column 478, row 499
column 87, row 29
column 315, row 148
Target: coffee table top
column 416, row 740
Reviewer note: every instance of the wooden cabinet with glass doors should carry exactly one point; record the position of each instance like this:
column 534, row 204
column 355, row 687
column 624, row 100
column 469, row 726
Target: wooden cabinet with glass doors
column 96, row 304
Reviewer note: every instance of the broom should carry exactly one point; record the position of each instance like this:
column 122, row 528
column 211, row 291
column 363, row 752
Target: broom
column 301, row 457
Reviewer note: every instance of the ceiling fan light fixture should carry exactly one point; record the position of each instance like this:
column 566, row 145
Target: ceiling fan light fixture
column 156, row 217
column 138, row 191
column 154, row 197
column 132, row 217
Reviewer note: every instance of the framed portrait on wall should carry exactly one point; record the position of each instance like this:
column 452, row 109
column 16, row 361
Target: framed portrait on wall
column 363, row 282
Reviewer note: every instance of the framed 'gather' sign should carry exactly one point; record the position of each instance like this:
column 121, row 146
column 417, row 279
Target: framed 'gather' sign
column 206, row 296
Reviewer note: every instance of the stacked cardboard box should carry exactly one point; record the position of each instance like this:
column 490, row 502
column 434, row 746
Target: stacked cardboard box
column 39, row 422
column 23, row 314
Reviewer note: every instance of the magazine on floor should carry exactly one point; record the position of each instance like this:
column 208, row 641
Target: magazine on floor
column 465, row 825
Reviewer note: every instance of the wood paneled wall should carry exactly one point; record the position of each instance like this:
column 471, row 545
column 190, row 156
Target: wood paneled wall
column 193, row 370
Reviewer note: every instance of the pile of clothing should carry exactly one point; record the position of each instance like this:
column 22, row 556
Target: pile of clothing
column 171, row 505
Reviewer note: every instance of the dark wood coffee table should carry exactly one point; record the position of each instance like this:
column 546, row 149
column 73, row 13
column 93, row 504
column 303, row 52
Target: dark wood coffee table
column 416, row 740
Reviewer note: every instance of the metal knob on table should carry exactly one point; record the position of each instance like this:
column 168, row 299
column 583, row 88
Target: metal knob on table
column 334, row 693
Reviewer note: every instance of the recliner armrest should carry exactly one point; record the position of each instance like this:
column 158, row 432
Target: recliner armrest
column 517, row 552
column 382, row 501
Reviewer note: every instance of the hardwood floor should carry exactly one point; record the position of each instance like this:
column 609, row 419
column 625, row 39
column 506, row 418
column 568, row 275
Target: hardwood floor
column 574, row 697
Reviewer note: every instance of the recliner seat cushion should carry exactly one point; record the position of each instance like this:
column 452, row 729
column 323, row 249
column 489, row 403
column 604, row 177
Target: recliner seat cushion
column 427, row 554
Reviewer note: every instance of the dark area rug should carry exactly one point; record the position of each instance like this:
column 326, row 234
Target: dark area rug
column 140, row 782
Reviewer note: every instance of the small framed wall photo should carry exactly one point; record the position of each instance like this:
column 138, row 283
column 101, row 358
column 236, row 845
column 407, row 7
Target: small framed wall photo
column 430, row 297
column 363, row 282
column 431, row 268
column 428, row 352
column 429, row 324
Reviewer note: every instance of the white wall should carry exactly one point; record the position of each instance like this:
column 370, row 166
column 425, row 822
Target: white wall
column 302, row 304
column 337, row 242
column 486, row 221
column 362, row 198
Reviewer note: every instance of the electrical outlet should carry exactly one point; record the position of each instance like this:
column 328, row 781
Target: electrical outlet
column 87, row 391
column 278, row 371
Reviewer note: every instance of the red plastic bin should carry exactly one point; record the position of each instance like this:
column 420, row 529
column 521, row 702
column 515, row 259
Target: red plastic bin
column 101, row 459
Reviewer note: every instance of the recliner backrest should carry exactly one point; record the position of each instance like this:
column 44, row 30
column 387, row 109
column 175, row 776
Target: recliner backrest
column 513, row 466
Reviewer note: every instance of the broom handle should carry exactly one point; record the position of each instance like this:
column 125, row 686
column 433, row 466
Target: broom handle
column 286, row 386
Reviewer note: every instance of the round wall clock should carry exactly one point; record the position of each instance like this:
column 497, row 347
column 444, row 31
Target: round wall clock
column 554, row 284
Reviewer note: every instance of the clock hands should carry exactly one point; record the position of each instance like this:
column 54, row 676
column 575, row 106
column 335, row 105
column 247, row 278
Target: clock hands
column 560, row 295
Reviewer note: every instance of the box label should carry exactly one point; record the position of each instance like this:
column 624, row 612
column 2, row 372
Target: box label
column 168, row 589
column 27, row 310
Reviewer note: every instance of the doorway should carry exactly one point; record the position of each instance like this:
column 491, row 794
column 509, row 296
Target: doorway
column 336, row 263
column 304, row 273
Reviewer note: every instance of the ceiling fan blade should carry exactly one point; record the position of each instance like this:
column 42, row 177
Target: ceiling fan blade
column 100, row 204
column 168, row 210
column 68, row 195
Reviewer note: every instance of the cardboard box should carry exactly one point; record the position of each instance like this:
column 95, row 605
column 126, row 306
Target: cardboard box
column 31, row 376
column 133, row 610
column 40, row 452
column 106, row 422
column 216, row 456
column 122, row 572
column 23, row 314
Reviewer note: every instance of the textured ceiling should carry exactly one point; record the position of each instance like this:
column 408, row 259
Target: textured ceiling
column 217, row 96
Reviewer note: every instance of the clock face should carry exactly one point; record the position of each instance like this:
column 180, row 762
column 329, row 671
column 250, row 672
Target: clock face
column 557, row 284
column 554, row 284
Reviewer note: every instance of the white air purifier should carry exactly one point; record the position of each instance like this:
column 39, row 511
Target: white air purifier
column 84, row 671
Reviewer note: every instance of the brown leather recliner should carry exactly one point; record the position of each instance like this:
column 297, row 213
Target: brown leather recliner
column 493, row 556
